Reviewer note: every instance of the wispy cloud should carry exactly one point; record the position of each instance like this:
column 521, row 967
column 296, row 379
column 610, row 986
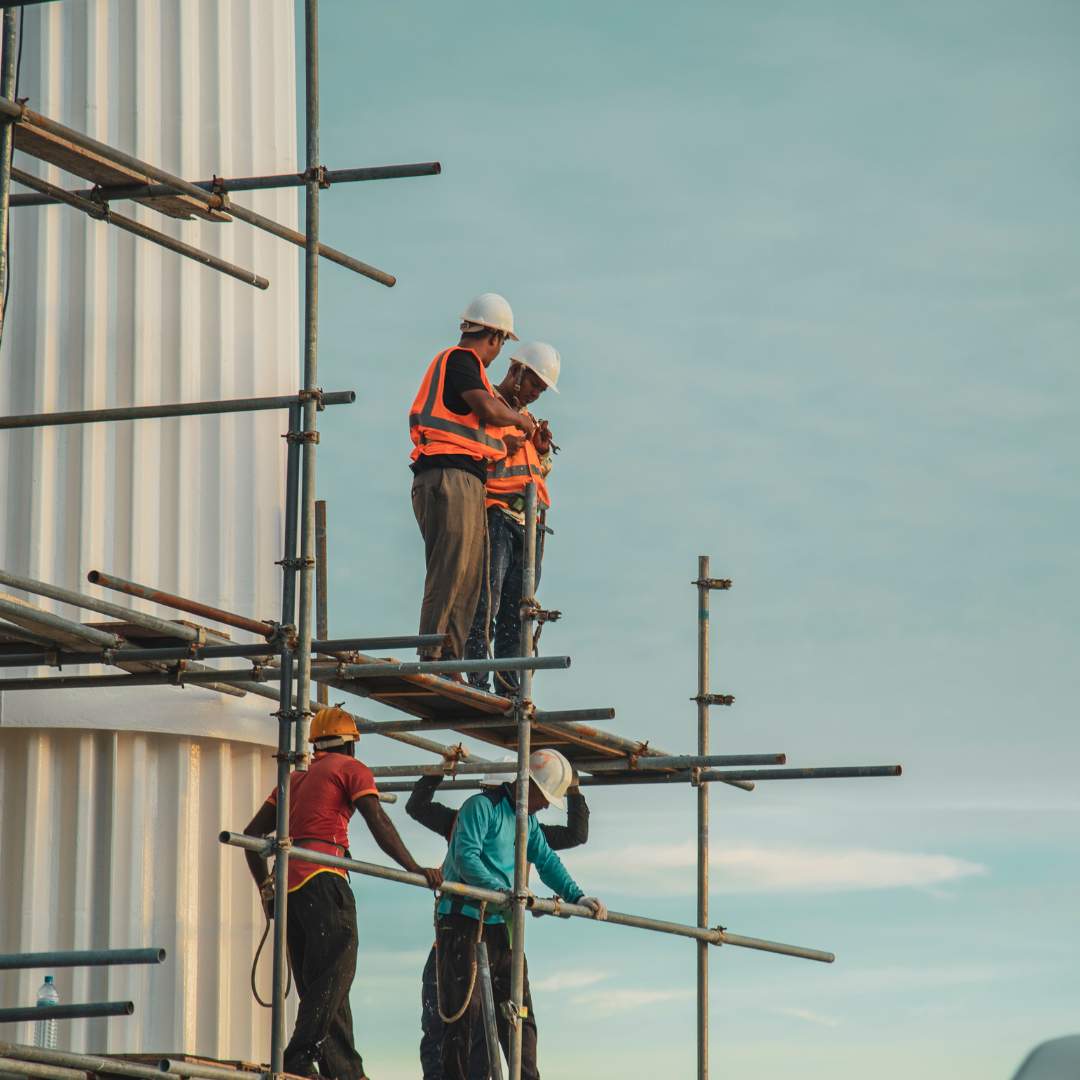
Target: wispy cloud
column 570, row 980
column 810, row 1017
column 662, row 869
column 625, row 999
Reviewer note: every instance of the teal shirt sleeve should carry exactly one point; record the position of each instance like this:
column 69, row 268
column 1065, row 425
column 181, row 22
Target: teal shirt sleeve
column 467, row 842
column 549, row 866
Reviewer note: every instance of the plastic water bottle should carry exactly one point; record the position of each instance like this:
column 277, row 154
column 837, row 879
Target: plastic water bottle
column 45, row 1030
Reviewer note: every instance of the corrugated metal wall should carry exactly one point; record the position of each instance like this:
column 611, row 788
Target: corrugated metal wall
column 116, row 826
column 110, row 838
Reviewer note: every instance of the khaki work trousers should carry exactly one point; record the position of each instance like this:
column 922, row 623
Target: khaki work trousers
column 449, row 508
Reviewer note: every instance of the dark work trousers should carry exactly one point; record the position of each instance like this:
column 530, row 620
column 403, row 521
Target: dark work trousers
column 507, row 543
column 322, row 942
column 449, row 508
column 432, row 1029
column 456, row 953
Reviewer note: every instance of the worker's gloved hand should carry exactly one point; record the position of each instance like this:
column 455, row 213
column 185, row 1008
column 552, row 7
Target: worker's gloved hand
column 433, row 875
column 597, row 907
column 266, row 897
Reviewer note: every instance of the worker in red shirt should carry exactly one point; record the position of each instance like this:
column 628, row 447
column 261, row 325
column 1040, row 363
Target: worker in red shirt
column 321, row 930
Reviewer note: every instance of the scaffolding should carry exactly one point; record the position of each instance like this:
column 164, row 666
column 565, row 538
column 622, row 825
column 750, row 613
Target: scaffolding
column 293, row 652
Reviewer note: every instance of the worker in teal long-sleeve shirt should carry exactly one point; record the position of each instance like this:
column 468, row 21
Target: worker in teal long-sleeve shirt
column 481, row 853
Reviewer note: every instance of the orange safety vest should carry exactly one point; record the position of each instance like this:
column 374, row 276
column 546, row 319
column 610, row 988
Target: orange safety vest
column 437, row 430
column 512, row 474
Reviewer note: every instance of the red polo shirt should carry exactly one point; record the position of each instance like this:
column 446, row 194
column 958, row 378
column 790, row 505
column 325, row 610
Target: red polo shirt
column 321, row 801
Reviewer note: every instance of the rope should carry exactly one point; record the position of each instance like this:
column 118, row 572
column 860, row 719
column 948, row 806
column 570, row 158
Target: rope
column 472, row 971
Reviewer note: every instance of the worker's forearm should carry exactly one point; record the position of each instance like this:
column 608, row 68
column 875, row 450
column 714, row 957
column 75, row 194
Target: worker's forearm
column 386, row 836
column 495, row 412
column 260, row 869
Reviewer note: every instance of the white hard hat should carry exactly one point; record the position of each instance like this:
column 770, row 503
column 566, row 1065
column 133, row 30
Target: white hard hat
column 542, row 358
column 551, row 773
column 495, row 779
column 491, row 310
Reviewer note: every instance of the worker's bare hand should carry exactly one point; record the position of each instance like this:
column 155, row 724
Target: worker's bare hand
column 433, row 875
column 513, row 444
column 266, row 898
column 527, row 424
column 597, row 907
column 542, row 439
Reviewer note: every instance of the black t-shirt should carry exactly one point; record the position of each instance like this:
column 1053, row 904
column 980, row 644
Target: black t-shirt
column 462, row 374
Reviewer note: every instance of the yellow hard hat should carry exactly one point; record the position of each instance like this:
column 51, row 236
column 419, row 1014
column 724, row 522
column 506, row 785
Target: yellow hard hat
column 333, row 726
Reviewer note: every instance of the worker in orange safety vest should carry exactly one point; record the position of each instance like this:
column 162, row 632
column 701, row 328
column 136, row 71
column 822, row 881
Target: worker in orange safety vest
column 534, row 368
column 457, row 424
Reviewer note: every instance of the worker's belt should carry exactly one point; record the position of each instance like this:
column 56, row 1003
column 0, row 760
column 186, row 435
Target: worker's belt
column 343, row 850
column 514, row 502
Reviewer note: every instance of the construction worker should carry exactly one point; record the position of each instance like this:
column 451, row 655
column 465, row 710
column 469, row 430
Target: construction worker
column 534, row 368
column 440, row 818
column 321, row 920
column 456, row 423
column 481, row 853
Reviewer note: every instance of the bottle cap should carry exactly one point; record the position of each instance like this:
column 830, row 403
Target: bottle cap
column 48, row 978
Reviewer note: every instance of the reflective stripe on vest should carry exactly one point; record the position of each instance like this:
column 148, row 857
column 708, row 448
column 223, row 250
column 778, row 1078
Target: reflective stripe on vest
column 436, row 430
column 511, row 476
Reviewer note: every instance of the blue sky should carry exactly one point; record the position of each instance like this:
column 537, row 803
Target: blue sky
column 813, row 272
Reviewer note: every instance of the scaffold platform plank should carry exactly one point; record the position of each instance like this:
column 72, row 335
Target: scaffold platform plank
column 431, row 697
column 55, row 150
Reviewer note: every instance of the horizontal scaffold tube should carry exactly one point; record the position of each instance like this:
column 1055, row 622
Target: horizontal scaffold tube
column 101, row 212
column 479, row 723
column 631, row 777
column 442, row 667
column 109, row 193
column 206, row 1072
column 714, row 936
column 683, row 762
column 156, row 412
column 80, row 958
column 91, row 1063
column 89, row 1011
column 15, row 1067
column 193, row 651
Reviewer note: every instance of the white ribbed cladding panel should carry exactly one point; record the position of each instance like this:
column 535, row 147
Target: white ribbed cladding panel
column 115, row 825
column 109, row 839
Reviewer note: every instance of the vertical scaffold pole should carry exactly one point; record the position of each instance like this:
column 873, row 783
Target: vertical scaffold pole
column 523, row 713
column 313, row 176
column 322, row 620
column 703, row 821
column 286, row 718
column 7, row 141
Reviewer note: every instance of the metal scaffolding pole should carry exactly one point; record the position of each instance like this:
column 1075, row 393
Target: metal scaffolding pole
column 111, row 193
column 101, row 212
column 80, row 958
column 156, row 412
column 86, row 1011
column 523, row 708
column 321, row 586
column 309, row 438
column 715, row 935
column 703, row 819
column 7, row 140
column 286, row 716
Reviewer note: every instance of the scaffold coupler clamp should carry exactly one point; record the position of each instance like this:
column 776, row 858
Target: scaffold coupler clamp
column 176, row 672
column 319, row 174
column 713, row 582
column 513, row 1014
column 217, row 190
column 714, row 699
column 315, row 394
column 695, row 777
